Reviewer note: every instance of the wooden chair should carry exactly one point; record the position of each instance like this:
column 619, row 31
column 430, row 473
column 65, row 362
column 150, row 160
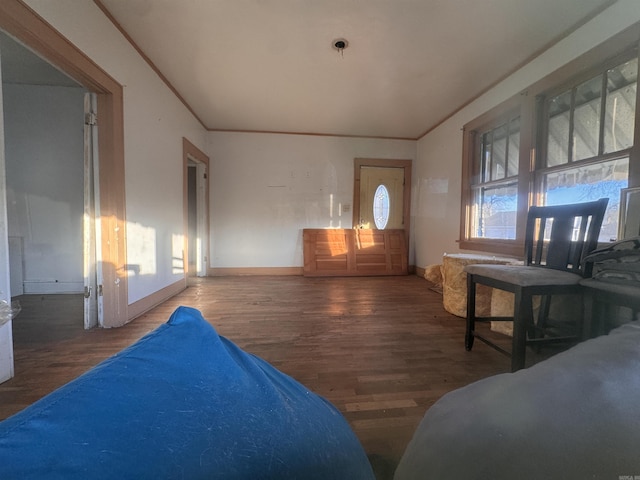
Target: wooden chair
column 557, row 238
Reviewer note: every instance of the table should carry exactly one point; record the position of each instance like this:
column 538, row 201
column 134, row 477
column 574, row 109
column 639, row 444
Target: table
column 598, row 295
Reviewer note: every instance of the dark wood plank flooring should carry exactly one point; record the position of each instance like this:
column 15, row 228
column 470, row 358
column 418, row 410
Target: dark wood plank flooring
column 382, row 349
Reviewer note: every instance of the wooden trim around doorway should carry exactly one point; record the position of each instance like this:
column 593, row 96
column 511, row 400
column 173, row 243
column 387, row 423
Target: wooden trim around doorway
column 189, row 150
column 26, row 26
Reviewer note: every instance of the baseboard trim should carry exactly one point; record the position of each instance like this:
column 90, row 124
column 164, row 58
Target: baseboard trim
column 147, row 303
column 51, row 288
column 238, row 271
column 228, row 272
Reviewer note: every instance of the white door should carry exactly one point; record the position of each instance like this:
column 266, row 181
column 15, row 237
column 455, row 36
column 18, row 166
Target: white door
column 6, row 334
column 93, row 312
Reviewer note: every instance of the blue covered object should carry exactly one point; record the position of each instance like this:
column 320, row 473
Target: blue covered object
column 181, row 403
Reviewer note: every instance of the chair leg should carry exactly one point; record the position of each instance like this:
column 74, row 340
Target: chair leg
column 537, row 330
column 522, row 319
column 600, row 313
column 471, row 313
column 588, row 326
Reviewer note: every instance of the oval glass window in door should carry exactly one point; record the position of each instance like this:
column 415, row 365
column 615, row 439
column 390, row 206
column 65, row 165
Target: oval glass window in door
column 381, row 207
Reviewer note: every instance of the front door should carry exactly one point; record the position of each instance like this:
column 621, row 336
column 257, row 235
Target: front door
column 382, row 189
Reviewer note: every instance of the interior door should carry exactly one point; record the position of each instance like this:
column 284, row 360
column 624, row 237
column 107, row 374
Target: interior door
column 93, row 311
column 381, row 196
column 6, row 332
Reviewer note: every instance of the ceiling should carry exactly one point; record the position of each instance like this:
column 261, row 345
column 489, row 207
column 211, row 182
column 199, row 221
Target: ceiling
column 270, row 65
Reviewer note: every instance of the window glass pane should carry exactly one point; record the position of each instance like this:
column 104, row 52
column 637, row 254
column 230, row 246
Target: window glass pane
column 586, row 119
column 588, row 183
column 494, row 214
column 620, row 106
column 498, row 167
column 558, row 129
column 381, row 207
column 514, row 147
column 486, row 157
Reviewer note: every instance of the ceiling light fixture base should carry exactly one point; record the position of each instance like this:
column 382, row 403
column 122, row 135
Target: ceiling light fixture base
column 339, row 44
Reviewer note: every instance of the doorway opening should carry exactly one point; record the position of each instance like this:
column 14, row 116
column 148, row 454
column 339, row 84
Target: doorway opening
column 44, row 163
column 196, row 192
column 44, row 43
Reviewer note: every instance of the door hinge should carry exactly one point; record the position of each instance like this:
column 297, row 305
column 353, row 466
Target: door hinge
column 90, row 118
column 205, row 175
column 99, row 290
column 87, row 291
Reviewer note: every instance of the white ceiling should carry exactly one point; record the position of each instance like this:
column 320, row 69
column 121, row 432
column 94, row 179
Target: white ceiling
column 269, row 65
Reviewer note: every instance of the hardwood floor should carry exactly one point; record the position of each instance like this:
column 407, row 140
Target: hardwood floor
column 382, row 349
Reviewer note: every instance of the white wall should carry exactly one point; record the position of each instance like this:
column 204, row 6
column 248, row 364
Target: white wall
column 438, row 170
column 265, row 188
column 45, row 176
column 155, row 122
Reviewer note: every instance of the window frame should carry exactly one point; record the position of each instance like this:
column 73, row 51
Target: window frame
column 471, row 171
column 615, row 51
column 570, row 84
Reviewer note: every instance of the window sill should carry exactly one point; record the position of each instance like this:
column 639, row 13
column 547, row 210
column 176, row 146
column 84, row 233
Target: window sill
column 510, row 248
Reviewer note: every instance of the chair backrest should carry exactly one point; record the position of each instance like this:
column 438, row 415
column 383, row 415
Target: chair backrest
column 560, row 236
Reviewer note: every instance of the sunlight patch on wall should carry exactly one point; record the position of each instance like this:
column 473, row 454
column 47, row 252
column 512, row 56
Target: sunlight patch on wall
column 141, row 248
column 433, row 197
column 177, row 253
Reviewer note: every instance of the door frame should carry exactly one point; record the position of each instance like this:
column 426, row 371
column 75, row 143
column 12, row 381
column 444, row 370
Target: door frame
column 22, row 23
column 388, row 163
column 192, row 153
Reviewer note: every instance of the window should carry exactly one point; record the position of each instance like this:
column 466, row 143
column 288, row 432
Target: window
column 495, row 186
column 381, row 207
column 566, row 139
column 589, row 133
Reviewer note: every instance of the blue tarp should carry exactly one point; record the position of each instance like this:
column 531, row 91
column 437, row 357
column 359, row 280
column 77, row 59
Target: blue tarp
column 181, row 403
